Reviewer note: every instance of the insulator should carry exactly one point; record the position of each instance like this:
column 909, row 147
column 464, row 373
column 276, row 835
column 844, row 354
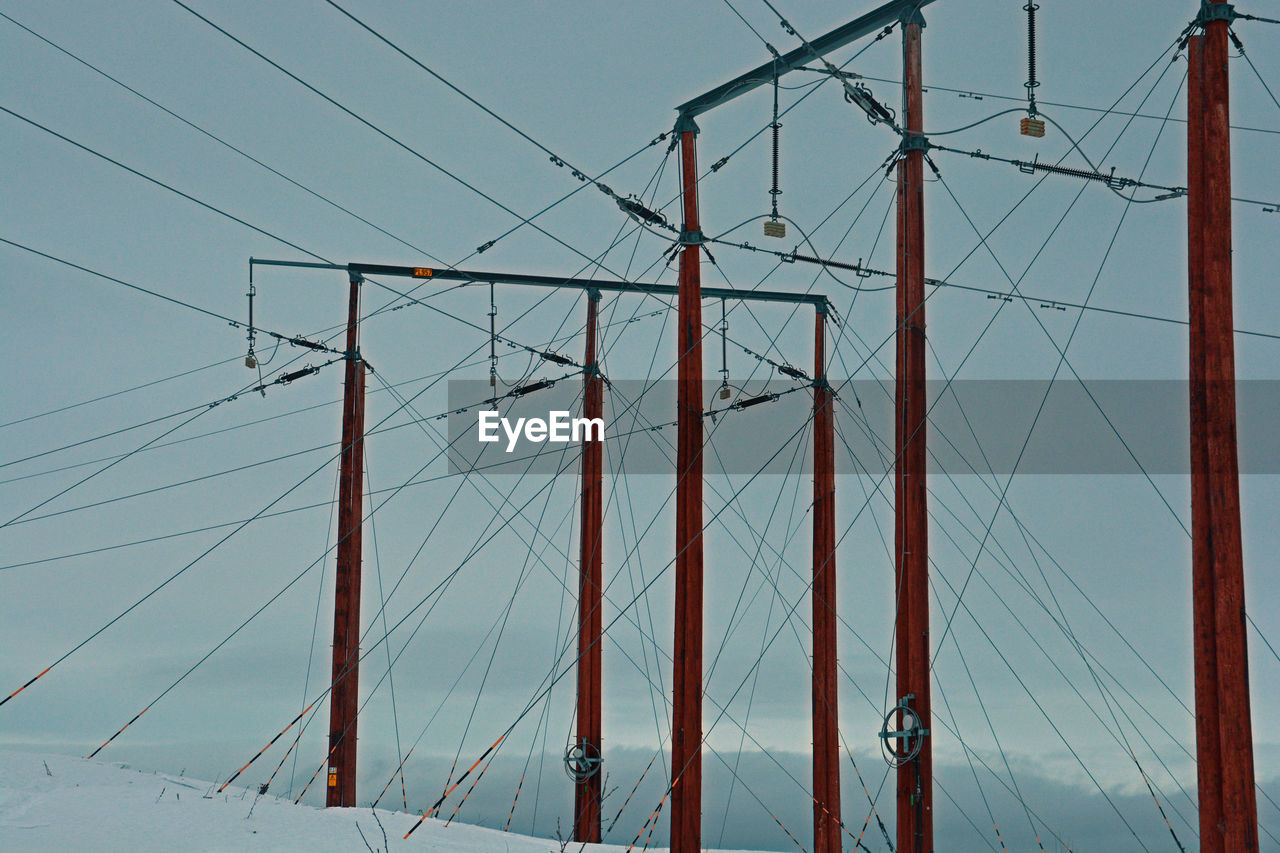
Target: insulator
column 633, row 207
column 775, row 191
column 300, row 341
column 556, row 357
column 810, row 259
column 529, row 389
column 724, row 392
column 793, row 372
column 773, row 228
column 755, row 401
column 286, row 378
column 1109, row 179
column 861, row 96
column 250, row 361
column 1031, row 49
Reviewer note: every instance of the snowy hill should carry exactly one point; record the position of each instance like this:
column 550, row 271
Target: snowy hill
column 56, row 803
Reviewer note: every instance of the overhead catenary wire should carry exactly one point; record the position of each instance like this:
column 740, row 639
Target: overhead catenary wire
column 980, row 95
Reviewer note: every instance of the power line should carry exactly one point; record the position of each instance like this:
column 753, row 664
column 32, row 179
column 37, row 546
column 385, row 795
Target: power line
column 119, row 393
column 972, row 93
column 229, row 321
column 389, row 137
column 219, row 139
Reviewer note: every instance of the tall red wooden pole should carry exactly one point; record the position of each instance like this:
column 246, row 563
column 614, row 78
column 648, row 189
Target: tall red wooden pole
column 1208, row 755
column 586, row 800
column 915, row 777
column 1228, row 803
column 686, row 721
column 344, row 698
column 826, row 735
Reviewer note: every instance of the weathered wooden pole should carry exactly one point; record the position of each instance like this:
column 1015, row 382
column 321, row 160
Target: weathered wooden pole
column 588, row 757
column 911, row 531
column 1224, row 735
column 686, row 720
column 344, row 698
column 826, row 718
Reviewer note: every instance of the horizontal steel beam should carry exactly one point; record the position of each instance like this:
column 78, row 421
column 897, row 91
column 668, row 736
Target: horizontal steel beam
column 588, row 284
column 837, row 38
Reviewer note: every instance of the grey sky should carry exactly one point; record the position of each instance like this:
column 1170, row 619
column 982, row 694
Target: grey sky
column 595, row 83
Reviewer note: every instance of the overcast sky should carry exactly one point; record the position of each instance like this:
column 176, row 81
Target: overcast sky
column 1071, row 644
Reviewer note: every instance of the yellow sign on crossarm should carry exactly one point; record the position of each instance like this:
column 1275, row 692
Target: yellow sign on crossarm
column 423, row 272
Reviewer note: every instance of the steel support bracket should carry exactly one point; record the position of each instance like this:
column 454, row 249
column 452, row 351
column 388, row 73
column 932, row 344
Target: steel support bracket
column 685, row 122
column 911, row 15
column 691, row 238
column 914, row 142
column 1216, row 12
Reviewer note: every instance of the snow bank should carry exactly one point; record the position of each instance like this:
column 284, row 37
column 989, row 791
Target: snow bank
column 57, row 803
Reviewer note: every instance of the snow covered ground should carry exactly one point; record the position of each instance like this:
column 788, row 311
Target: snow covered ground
column 52, row 803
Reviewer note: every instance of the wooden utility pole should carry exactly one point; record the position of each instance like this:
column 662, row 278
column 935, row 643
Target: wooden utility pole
column 686, row 719
column 826, row 717
column 911, row 529
column 344, row 697
column 587, row 755
column 1224, row 735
